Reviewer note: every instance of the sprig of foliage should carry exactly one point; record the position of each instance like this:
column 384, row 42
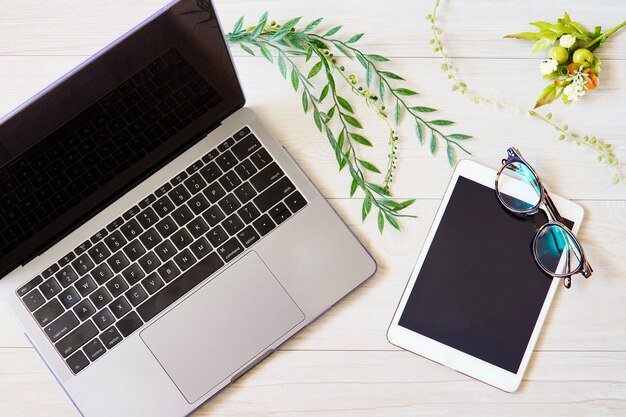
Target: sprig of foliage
column 279, row 43
column 604, row 151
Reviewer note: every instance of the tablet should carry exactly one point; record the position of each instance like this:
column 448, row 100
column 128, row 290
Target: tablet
column 476, row 299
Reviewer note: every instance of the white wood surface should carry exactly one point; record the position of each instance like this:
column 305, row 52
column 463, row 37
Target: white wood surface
column 342, row 365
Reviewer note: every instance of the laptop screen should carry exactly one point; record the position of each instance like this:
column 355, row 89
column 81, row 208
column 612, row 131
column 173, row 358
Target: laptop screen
column 112, row 121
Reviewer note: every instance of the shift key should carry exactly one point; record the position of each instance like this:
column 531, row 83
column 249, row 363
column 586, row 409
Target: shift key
column 268, row 198
column 73, row 341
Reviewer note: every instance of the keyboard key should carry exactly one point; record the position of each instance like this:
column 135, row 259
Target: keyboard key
column 199, row 203
column 50, row 288
column 110, row 337
column 149, row 262
column 94, row 349
column 163, row 206
column 82, row 247
column 266, row 177
column 217, row 236
column 213, row 216
column 136, row 295
column 61, row 326
column 69, row 297
column 152, row 283
column 164, row 189
column 274, row 194
column 117, row 286
column 195, row 167
column 86, row 286
column 120, row 306
column 102, row 273
column 179, row 178
column 229, row 204
column 147, row 201
column 184, row 260
column 230, row 180
column 210, row 156
column 134, row 250
column 248, row 213
column 232, row 224
column 22, row 291
column 50, row 271
column 77, row 338
column 181, row 239
column 166, row 227
column 99, row 236
column 66, row 276
column 48, row 312
column 179, row 195
column 210, row 172
column 230, row 249
column 115, row 241
column 129, row 324
column 182, row 215
column 200, row 248
column 165, row 250
column 133, row 274
column 198, row 227
column 77, row 362
column 246, row 147
column 82, row 265
column 99, row 252
column 226, row 144
column 67, row 259
column 214, row 192
column 118, row 262
column 248, row 236
column 147, row 218
column 226, row 161
column 179, row 287
column 131, row 229
column 115, row 224
column 103, row 318
column 295, row 201
column 100, row 298
column 150, row 238
column 242, row 133
column 195, row 183
column 245, row 169
column 168, row 271
column 264, row 225
column 261, row 158
column 84, row 309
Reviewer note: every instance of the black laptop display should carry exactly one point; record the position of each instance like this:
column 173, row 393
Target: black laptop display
column 117, row 119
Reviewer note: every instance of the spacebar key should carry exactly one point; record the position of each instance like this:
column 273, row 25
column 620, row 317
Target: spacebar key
column 179, row 287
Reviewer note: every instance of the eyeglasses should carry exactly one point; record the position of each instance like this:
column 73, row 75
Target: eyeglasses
column 556, row 249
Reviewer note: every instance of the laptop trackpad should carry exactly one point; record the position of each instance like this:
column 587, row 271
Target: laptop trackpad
column 222, row 326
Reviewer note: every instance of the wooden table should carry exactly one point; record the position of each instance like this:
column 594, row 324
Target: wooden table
column 342, row 365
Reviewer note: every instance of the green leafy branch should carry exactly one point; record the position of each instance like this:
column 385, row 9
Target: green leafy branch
column 604, row 151
column 278, row 43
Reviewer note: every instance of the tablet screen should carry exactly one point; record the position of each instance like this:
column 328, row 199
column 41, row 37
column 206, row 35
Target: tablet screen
column 479, row 289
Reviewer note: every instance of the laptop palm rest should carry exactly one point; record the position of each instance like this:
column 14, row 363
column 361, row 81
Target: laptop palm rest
column 221, row 327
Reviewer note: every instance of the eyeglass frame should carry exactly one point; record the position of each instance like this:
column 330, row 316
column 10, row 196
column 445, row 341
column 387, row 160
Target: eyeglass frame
column 554, row 218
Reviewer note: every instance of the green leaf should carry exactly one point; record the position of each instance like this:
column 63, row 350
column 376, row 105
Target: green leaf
column 397, row 112
column 282, row 67
column 309, row 53
column 381, row 222
column 541, row 44
column 351, row 120
column 369, row 166
column 378, row 189
column 259, row 27
column 332, row 31
column 324, row 93
column 341, row 139
column 548, row 95
column 353, row 187
column 305, row 102
column 406, row 203
column 368, row 75
column 285, row 29
column 317, row 119
column 344, row 103
column 313, row 24
column 361, row 59
column 331, row 113
column 405, row 92
column 360, row 139
column 441, row 122
column 392, row 221
column 381, row 89
column 266, row 53
column 238, row 25
column 367, row 206
column 295, row 80
column 343, row 49
column 459, row 136
column 377, row 58
column 419, row 131
column 433, row 143
column 391, row 75
column 355, row 38
column 315, row 70
column 531, row 36
column 422, row 109
column 451, row 155
column 245, row 48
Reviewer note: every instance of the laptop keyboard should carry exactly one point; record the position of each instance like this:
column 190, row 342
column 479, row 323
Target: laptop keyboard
column 171, row 241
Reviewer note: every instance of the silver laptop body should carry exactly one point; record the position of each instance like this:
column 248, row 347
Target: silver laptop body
column 181, row 338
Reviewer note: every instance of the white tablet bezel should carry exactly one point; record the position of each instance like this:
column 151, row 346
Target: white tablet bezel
column 451, row 357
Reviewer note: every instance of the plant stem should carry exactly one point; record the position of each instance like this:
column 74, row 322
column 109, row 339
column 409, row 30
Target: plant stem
column 605, row 35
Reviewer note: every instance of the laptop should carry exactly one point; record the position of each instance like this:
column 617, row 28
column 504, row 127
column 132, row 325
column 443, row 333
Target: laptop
column 156, row 242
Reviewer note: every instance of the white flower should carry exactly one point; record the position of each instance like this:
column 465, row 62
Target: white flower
column 567, row 41
column 548, row 66
column 573, row 91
